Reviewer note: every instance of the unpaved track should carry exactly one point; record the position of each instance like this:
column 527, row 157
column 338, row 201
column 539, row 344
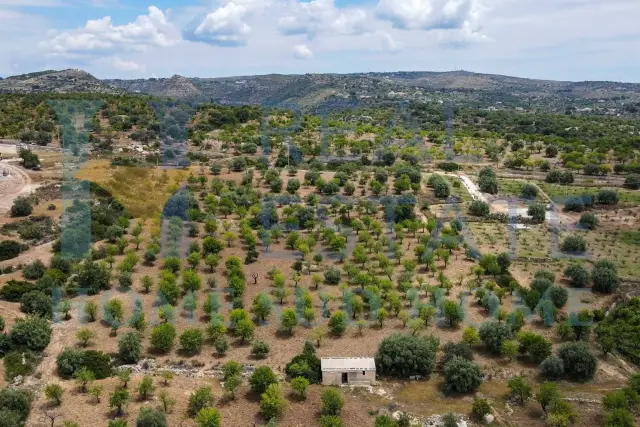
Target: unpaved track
column 16, row 184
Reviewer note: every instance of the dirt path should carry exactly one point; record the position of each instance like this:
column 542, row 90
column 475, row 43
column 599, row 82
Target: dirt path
column 12, row 186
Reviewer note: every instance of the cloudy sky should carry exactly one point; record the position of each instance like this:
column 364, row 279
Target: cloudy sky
column 555, row 39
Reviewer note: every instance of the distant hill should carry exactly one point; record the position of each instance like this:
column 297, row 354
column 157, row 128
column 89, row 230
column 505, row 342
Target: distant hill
column 326, row 91
column 64, row 81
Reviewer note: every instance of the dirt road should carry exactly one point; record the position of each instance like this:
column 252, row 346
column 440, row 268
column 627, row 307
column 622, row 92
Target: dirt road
column 17, row 183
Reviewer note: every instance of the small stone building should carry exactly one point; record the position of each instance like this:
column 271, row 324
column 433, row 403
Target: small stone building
column 355, row 371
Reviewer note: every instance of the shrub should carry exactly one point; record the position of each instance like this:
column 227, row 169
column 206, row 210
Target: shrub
column 130, row 348
column 574, row 244
column 9, row 249
column 199, row 399
column 632, row 181
column 536, row 346
column 15, row 401
column 261, row 378
column 97, row 362
column 338, row 322
column 451, row 350
column 22, row 206
column 462, row 375
column 607, row 197
column 402, row 356
column 162, row 337
column 520, row 388
column 578, row 275
column 330, row 421
column 619, row 418
column 208, row 417
column 559, row 296
column 300, row 385
column 480, row 408
column 38, row 303
column 69, row 361
column 578, row 361
column 260, row 349
column 272, row 402
column 13, row 290
column 331, row 276
column 149, row 417
column 529, row 191
column 34, row 271
column 31, row 332
column 191, row 341
column 588, row 221
column 306, row 365
column 332, row 402
column 605, row 280
column 479, row 208
column 492, row 334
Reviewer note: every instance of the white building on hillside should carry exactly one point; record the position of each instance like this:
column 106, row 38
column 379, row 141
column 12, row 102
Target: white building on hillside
column 355, row 371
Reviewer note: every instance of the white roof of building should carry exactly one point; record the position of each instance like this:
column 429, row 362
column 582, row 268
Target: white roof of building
column 343, row 364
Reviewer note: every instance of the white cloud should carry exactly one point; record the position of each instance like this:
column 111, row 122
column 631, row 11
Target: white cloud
column 387, row 42
column 225, row 26
column 101, row 35
column 429, row 14
column 302, row 51
column 123, row 65
column 322, row 17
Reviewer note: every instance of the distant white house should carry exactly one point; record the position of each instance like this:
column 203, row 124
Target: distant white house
column 354, row 371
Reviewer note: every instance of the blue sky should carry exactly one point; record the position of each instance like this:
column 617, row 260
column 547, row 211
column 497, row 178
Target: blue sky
column 554, row 39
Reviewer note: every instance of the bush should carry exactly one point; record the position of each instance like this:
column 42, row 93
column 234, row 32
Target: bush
column 31, row 332
column 162, row 337
column 191, row 341
column 17, row 401
column 199, row 399
column 479, row 208
column 272, row 402
column 149, row 417
column 332, row 402
column 588, row 221
column 462, row 375
column 605, row 280
column 97, row 362
column 578, row 361
column 492, row 334
column 574, row 244
column 208, row 417
column 9, row 249
column 480, row 408
column 13, row 290
column 330, row 421
column 529, row 191
column 261, row 378
column 38, row 303
column 300, row 385
column 260, row 349
column 332, row 276
column 632, row 181
column 22, row 206
column 34, row 271
column 402, row 356
column 619, row 418
column 578, row 275
column 306, row 365
column 69, row 361
column 130, row 348
column 559, row 296
column 607, row 197
column 338, row 322
column 451, row 350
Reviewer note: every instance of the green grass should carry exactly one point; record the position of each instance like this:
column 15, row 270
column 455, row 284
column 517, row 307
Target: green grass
column 630, row 237
column 533, row 242
column 557, row 191
column 513, row 188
